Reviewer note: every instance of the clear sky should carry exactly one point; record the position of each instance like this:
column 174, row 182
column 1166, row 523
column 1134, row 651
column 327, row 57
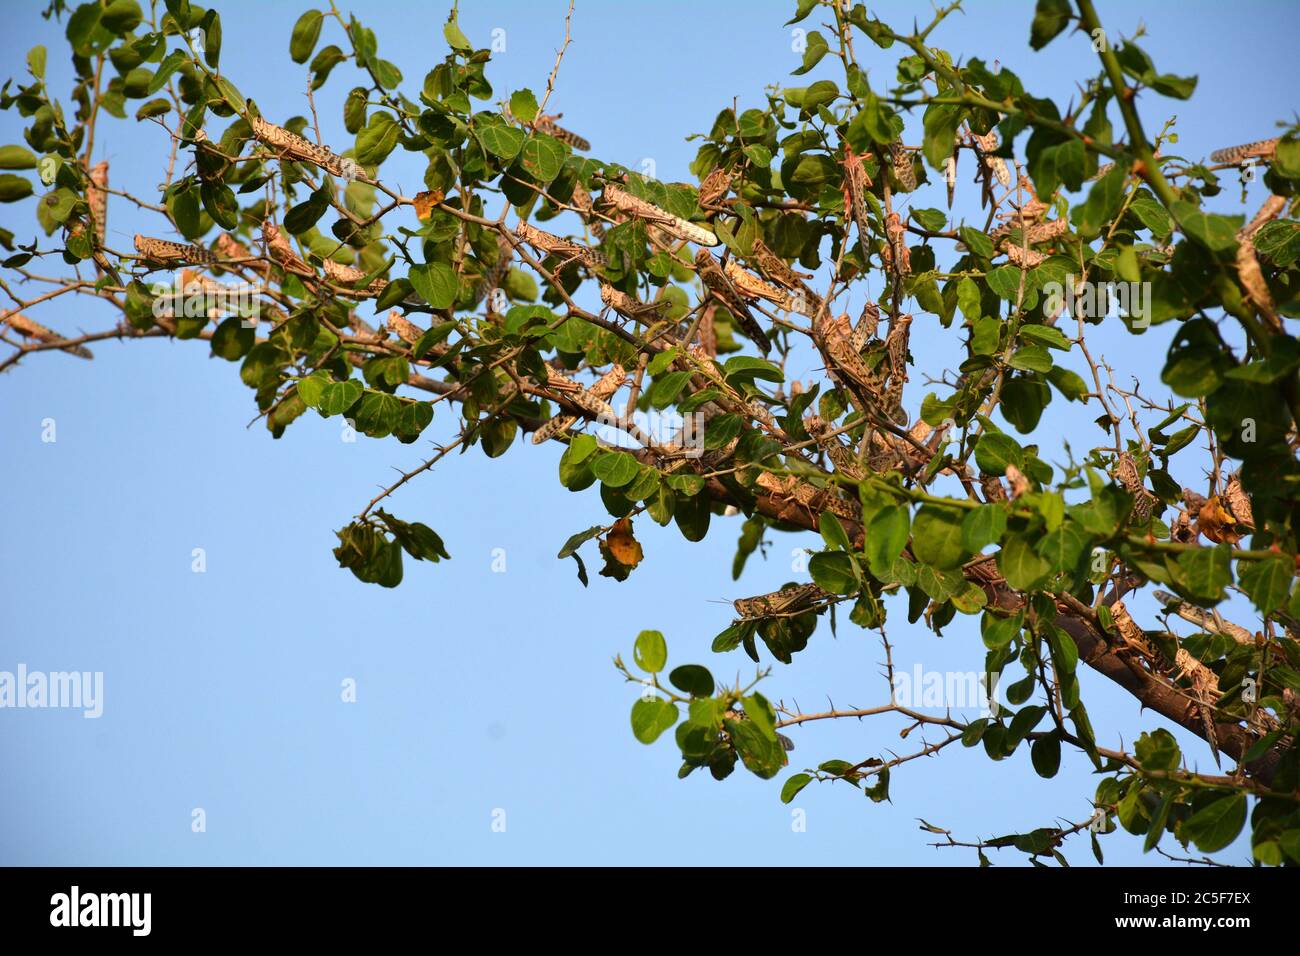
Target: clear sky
column 477, row 691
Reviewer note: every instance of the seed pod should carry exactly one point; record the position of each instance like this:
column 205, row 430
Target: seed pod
column 626, row 203
column 1260, row 149
column 31, row 329
column 163, row 250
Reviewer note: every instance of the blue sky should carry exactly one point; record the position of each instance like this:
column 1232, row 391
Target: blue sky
column 477, row 691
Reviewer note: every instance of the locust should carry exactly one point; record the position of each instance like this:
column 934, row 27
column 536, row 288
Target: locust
column 348, row 275
column 902, row 163
column 778, row 271
column 845, row 462
column 866, row 328
column 547, row 125
column 779, row 603
column 625, row 202
column 228, row 247
column 582, row 201
column 406, row 330
column 833, row 339
column 494, row 276
column 754, row 288
column 31, row 329
column 290, row 145
column 1260, row 149
column 561, row 248
column 987, row 144
column 97, row 198
column 601, row 392
column 720, row 288
column 1036, row 233
column 644, row 312
column 856, row 183
column 714, row 188
column 163, row 250
column 896, row 349
column 1126, row 473
column 278, row 246
column 898, row 260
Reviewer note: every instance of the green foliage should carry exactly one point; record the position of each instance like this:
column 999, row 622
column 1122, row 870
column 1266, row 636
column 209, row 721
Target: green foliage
column 975, row 519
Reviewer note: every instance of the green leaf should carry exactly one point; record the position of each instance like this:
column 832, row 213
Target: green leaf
column 995, row 451
column 1214, row 232
column 121, row 16
column 886, row 536
column 16, row 157
column 523, row 105
column 1050, row 18
column 983, row 526
column 498, row 137
column 692, row 679
column 435, row 282
column 305, row 34
column 1020, row 563
column 616, row 469
column 833, row 532
column 1267, row 582
column 1206, row 572
column 815, row 48
column 936, row 537
column 833, row 570
column 792, row 786
column 1046, row 755
column 377, row 140
column 1217, row 824
column 543, row 157
column 650, row 718
column 650, row 651
column 455, row 38
column 14, row 188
